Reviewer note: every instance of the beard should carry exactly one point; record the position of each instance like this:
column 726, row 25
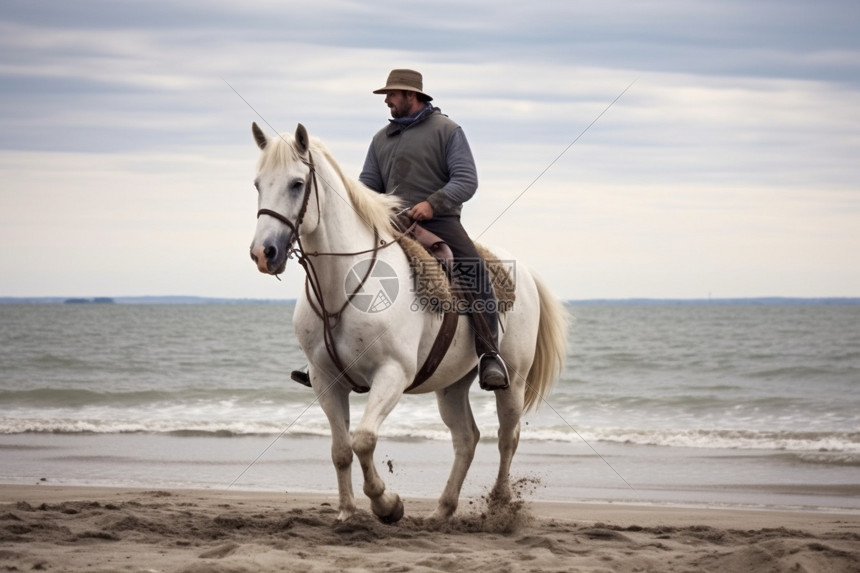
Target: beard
column 398, row 111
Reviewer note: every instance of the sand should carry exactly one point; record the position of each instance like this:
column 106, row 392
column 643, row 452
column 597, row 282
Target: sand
column 55, row 528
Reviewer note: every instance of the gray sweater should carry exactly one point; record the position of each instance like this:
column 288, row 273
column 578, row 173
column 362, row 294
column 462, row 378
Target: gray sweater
column 422, row 158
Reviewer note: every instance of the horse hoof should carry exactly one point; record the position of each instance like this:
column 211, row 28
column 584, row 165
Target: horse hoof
column 499, row 497
column 395, row 515
column 344, row 516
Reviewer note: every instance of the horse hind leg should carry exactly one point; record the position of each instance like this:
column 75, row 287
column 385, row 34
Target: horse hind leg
column 509, row 408
column 456, row 412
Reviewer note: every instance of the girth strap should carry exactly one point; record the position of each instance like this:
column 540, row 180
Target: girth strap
column 438, row 350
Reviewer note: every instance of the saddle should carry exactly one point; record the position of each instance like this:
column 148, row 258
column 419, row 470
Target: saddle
column 431, row 242
column 423, row 246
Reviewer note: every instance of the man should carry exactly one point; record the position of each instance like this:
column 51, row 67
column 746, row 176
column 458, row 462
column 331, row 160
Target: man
column 423, row 157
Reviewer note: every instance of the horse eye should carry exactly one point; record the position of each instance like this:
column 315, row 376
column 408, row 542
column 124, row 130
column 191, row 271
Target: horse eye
column 297, row 186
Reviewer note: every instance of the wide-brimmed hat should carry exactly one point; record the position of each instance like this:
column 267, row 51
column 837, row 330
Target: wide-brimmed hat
column 409, row 80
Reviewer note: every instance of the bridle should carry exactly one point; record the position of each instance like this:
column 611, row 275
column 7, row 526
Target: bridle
column 330, row 319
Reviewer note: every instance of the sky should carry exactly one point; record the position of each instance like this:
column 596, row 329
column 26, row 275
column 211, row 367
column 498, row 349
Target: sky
column 729, row 168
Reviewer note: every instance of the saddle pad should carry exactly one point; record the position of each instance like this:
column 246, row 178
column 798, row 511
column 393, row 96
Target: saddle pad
column 431, row 284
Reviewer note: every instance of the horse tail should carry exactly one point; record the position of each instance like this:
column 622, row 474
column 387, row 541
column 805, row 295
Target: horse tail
column 550, row 350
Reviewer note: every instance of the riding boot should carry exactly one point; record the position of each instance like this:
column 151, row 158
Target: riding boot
column 301, row 376
column 492, row 373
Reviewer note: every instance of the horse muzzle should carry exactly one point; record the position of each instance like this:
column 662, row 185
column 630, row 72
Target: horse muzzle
column 270, row 258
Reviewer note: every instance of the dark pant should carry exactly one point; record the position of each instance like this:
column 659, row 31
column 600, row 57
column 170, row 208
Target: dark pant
column 470, row 281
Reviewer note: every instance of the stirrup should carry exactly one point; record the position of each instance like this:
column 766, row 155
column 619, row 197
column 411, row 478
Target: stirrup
column 301, row 377
column 502, row 372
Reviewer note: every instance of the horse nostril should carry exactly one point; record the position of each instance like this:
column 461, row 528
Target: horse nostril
column 270, row 252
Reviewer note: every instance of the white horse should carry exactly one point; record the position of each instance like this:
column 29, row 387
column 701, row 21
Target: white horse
column 308, row 208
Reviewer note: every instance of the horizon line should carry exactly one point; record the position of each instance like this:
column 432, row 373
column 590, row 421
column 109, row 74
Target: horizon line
column 189, row 299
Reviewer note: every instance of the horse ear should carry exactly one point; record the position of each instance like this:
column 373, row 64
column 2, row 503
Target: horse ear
column 302, row 140
column 259, row 136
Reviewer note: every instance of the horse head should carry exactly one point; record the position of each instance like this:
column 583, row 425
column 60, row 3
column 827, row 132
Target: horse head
column 284, row 184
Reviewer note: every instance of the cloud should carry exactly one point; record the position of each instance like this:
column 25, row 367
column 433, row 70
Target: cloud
column 728, row 167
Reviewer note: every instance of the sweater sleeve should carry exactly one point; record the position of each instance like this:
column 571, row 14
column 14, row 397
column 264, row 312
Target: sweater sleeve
column 463, row 181
column 371, row 175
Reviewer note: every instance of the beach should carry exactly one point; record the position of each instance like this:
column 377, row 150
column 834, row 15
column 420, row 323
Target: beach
column 93, row 529
column 678, row 438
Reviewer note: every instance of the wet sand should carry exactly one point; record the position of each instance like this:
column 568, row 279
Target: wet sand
column 58, row 528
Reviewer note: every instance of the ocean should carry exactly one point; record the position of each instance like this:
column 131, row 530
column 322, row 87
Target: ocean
column 685, row 404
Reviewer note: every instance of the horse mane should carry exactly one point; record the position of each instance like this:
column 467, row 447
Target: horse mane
column 375, row 209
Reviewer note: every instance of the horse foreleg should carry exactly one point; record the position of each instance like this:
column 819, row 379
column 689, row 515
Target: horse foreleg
column 334, row 401
column 384, row 395
column 456, row 412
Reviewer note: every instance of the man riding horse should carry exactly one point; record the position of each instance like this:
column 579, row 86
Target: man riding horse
column 423, row 158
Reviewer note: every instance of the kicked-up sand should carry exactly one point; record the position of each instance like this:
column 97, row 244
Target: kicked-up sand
column 57, row 528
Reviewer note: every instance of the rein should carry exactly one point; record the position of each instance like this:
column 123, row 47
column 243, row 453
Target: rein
column 329, row 319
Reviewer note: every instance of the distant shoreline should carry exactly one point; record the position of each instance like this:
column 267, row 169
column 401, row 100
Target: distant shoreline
column 198, row 300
